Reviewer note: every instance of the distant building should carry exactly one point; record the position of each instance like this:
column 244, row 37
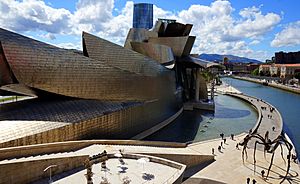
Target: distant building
column 287, row 58
column 143, row 15
column 280, row 70
column 252, row 67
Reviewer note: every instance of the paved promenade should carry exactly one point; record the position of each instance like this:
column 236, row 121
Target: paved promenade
column 229, row 167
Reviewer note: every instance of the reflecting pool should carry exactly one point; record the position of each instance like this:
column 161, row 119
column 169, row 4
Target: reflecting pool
column 232, row 116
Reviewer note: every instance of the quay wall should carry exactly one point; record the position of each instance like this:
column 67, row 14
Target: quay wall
column 279, row 86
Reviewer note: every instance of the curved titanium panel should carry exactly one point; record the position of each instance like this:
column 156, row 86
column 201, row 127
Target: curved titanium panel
column 45, row 67
column 161, row 53
column 19, row 89
column 138, row 35
column 117, row 56
column 6, row 76
column 181, row 46
column 177, row 29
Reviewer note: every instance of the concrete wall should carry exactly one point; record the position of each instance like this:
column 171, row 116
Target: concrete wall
column 40, row 149
column 187, row 159
column 279, row 86
column 29, row 171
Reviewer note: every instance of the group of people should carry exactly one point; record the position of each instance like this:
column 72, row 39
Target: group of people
column 253, row 181
column 223, row 141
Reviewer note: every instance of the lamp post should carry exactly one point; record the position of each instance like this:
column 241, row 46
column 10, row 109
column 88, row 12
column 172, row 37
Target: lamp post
column 49, row 167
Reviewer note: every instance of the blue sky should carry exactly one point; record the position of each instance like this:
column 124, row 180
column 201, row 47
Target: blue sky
column 250, row 28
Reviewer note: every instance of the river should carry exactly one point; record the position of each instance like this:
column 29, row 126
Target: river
column 233, row 115
column 287, row 103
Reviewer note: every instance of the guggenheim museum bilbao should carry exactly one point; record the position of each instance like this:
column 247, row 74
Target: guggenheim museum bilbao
column 104, row 91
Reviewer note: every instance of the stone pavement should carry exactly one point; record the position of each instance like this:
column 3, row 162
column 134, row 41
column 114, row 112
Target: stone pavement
column 229, row 166
column 115, row 173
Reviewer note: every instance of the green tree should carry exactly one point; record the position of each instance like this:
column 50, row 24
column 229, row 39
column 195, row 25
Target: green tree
column 255, row 72
column 297, row 75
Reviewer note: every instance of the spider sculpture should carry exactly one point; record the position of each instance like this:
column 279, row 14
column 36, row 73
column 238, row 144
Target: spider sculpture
column 269, row 146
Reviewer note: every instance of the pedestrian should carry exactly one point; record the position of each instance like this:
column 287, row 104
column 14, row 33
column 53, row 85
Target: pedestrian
column 232, row 136
column 237, row 146
column 219, row 148
column 213, row 151
column 224, row 140
column 221, row 144
column 273, row 128
column 294, row 158
column 248, row 180
column 262, row 173
column 254, row 181
column 222, row 135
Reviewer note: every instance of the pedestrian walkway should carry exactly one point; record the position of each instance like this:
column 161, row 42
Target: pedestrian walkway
column 229, row 166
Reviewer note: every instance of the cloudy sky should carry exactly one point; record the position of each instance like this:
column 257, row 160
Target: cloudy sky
column 250, row 28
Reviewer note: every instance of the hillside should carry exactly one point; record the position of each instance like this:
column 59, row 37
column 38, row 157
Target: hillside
column 232, row 58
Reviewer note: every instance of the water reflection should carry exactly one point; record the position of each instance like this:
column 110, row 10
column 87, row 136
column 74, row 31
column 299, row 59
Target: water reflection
column 287, row 103
column 232, row 116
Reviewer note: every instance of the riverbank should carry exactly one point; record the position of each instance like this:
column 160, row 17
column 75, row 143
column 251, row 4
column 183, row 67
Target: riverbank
column 272, row 84
column 227, row 168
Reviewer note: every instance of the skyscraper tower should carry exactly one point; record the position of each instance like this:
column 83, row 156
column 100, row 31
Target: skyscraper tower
column 143, row 15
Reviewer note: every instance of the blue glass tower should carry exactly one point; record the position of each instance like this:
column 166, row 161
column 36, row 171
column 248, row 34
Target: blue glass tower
column 143, row 15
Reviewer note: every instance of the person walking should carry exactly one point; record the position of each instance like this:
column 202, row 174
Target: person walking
column 221, row 144
column 222, row 135
column 213, row 151
column 254, row 181
column 232, row 136
column 224, row 140
column 262, row 173
column 237, row 146
column 248, row 180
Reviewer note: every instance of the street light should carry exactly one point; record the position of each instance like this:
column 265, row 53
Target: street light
column 49, row 167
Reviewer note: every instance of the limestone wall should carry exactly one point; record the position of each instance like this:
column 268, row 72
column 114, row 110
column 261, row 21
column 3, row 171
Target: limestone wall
column 29, row 171
column 189, row 160
column 49, row 148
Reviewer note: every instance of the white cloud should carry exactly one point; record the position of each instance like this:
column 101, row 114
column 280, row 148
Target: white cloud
column 33, row 15
column 91, row 15
column 48, row 36
column 254, row 42
column 217, row 30
column 289, row 36
column 69, row 46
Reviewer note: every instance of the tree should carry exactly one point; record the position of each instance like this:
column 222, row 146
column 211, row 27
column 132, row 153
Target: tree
column 297, row 75
column 255, row 72
column 261, row 73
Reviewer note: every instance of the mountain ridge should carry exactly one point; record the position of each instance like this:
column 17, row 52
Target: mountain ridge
column 231, row 58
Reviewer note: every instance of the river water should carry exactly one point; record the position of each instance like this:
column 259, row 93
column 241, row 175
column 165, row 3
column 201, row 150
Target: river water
column 287, row 103
column 233, row 116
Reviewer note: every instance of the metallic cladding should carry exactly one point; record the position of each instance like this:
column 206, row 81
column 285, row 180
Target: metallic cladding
column 181, row 46
column 161, row 53
column 48, row 68
column 119, row 93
